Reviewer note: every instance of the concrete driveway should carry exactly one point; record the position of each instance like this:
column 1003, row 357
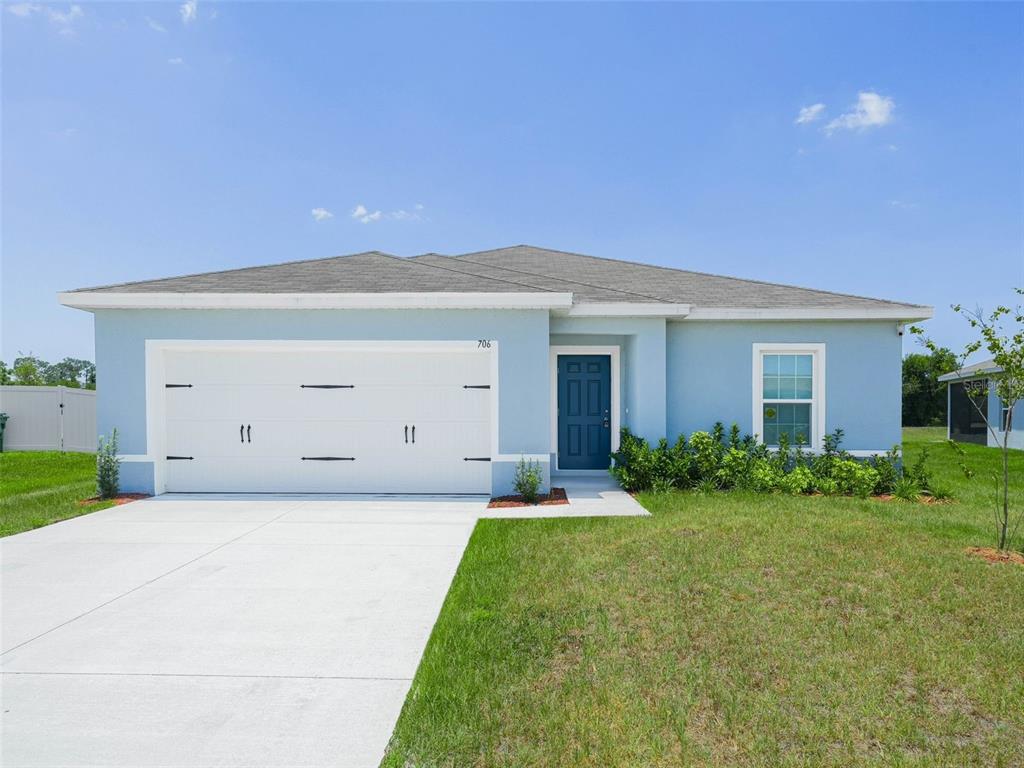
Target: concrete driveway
column 183, row 631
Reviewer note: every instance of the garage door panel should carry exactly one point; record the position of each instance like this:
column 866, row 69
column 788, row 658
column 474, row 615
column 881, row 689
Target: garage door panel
column 285, row 422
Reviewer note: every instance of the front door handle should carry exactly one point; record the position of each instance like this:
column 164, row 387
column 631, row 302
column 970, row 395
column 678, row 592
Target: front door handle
column 407, row 433
column 248, row 432
column 414, row 433
column 241, row 432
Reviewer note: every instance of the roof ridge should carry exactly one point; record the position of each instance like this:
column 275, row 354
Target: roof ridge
column 412, row 260
column 553, row 277
column 233, row 269
column 697, row 272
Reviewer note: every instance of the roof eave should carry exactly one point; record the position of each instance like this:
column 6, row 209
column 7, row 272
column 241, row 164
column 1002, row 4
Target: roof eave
column 98, row 300
column 903, row 314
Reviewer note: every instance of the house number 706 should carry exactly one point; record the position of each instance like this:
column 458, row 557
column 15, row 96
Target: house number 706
column 483, row 343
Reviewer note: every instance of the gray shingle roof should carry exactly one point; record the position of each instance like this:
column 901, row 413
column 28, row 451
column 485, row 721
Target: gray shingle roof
column 975, row 369
column 518, row 269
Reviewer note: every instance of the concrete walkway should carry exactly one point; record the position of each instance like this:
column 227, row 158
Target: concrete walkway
column 241, row 631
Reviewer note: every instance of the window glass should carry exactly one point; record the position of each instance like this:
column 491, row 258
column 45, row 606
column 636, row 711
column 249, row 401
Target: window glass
column 787, row 377
column 791, row 419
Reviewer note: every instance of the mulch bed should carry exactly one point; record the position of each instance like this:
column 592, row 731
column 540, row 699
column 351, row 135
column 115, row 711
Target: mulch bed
column 121, row 498
column 920, row 499
column 557, row 496
column 993, row 555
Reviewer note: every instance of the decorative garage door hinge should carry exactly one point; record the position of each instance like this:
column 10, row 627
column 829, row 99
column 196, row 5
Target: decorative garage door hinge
column 476, row 386
column 179, row 458
column 327, row 386
column 476, row 458
column 178, row 386
column 328, row 458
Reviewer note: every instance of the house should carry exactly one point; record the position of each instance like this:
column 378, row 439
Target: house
column 971, row 397
column 436, row 374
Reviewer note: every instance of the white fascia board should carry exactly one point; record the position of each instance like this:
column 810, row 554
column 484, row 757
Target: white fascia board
column 908, row 314
column 977, row 373
column 628, row 309
column 92, row 300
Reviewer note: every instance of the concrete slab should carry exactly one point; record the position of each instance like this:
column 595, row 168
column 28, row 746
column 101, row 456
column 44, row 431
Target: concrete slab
column 122, row 720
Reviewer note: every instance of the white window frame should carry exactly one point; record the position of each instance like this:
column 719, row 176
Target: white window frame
column 817, row 401
column 1004, row 411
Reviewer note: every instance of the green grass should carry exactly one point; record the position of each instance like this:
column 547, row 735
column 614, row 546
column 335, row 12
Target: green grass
column 42, row 487
column 731, row 630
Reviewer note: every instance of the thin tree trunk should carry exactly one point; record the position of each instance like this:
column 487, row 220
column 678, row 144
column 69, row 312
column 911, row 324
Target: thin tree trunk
column 1006, row 490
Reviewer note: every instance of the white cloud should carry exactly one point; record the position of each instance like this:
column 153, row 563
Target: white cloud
column 364, row 215
column 189, row 11
column 870, row 111
column 360, row 213
column 176, row 60
column 156, row 26
column 810, row 114
column 902, row 205
column 321, row 214
column 24, row 9
column 63, row 20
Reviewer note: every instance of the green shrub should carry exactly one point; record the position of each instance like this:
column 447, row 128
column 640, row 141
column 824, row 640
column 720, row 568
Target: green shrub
column 854, row 478
column 108, row 467
column 906, row 490
column 764, row 475
column 919, row 471
column 527, row 480
column 706, row 453
column 826, row 485
column 732, row 468
column 634, row 463
column 888, row 468
column 799, row 480
column 941, row 493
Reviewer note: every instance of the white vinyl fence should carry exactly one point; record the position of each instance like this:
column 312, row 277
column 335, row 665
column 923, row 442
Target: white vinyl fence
column 49, row 419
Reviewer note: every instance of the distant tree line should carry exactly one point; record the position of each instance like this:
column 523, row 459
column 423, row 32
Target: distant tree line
column 31, row 371
column 924, row 396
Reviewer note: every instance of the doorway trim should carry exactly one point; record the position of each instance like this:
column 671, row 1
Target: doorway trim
column 616, row 410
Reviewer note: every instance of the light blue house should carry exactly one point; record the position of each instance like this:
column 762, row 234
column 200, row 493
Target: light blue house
column 972, row 400
column 436, row 374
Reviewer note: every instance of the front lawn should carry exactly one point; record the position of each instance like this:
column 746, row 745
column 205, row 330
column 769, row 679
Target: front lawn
column 42, row 487
column 731, row 630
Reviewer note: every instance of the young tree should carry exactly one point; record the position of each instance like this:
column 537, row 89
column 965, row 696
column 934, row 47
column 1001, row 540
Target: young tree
column 29, row 371
column 1002, row 335
column 924, row 396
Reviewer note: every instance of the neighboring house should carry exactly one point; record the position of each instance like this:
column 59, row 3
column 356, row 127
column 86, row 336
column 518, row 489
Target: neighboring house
column 436, row 374
column 965, row 422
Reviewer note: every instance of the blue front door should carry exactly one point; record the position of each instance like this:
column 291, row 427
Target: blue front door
column 584, row 411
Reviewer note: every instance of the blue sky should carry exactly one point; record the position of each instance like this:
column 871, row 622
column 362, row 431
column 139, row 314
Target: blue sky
column 152, row 139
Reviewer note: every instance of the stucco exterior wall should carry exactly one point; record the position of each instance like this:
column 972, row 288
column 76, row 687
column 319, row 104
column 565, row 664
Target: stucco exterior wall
column 710, row 374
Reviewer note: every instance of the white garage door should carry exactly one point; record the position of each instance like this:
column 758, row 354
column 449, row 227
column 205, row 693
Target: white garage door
column 342, row 421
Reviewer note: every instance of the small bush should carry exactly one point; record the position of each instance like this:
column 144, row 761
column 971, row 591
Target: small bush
column 764, row 476
column 919, row 471
column 662, row 485
column 941, row 493
column 108, row 467
column 527, row 480
column 854, row 478
column 827, row 486
column 906, row 490
column 888, row 469
column 800, row 480
column 634, row 463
